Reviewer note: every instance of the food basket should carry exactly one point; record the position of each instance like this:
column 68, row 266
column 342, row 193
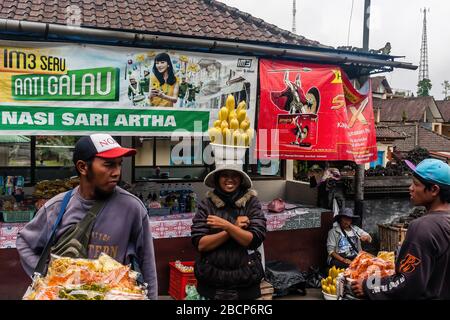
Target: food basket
column 391, row 237
column 180, row 279
column 328, row 296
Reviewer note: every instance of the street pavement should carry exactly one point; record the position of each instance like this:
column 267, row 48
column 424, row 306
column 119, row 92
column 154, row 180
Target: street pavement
column 311, row 294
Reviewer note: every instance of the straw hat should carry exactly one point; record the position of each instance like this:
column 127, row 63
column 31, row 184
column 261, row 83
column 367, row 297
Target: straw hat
column 210, row 178
column 228, row 158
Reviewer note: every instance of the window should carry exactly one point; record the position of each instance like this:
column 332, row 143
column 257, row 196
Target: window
column 265, row 169
column 54, row 152
column 15, row 151
column 15, row 156
column 160, row 158
column 37, row 158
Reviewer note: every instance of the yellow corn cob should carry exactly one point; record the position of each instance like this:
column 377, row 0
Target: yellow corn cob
column 230, row 103
column 241, row 115
column 224, row 124
column 223, row 113
column 234, row 124
column 241, row 106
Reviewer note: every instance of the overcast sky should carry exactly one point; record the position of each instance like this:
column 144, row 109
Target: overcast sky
column 397, row 21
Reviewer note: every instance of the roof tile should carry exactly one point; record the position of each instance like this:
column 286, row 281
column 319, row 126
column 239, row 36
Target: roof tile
column 444, row 108
column 208, row 18
column 426, row 138
column 394, row 110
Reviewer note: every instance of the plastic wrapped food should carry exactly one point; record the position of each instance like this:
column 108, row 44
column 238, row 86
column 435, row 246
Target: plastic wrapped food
column 387, row 256
column 192, row 293
column 366, row 265
column 85, row 279
column 183, row 268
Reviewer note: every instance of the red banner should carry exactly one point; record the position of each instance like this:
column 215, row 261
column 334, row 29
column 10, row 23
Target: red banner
column 313, row 112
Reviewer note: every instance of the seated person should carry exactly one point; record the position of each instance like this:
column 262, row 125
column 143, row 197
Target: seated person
column 344, row 239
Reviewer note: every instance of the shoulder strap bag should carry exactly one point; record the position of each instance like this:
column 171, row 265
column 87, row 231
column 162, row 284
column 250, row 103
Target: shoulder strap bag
column 40, row 267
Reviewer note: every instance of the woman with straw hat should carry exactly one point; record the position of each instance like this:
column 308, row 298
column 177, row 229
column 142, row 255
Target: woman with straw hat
column 227, row 229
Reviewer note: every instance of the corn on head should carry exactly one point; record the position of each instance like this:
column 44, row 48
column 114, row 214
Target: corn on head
column 233, row 125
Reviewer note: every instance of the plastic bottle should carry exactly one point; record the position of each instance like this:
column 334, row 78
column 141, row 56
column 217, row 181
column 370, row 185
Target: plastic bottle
column 175, row 207
column 169, row 196
column 188, row 203
column 183, row 201
column 2, row 185
column 9, row 185
column 193, row 202
column 162, row 195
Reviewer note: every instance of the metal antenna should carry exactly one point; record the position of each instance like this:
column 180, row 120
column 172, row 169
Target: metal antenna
column 294, row 11
column 423, row 66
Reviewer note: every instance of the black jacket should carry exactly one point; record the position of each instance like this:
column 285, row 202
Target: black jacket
column 423, row 264
column 229, row 266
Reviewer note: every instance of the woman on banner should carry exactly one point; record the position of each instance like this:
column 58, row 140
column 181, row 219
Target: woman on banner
column 164, row 84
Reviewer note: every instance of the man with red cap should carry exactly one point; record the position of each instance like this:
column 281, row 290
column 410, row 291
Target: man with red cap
column 96, row 217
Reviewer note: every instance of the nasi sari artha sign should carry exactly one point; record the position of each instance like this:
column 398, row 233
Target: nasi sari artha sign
column 312, row 112
column 74, row 89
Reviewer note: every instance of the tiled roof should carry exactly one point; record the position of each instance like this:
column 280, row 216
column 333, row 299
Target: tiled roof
column 197, row 18
column 384, row 132
column 380, row 80
column 426, row 138
column 444, row 108
column 393, row 110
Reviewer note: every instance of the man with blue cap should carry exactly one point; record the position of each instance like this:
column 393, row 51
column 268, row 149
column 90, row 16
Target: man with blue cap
column 422, row 268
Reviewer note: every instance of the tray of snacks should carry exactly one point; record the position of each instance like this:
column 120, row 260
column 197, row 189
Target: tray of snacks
column 85, row 279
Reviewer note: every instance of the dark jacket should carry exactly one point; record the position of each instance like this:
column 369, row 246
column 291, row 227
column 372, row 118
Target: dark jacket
column 230, row 266
column 423, row 264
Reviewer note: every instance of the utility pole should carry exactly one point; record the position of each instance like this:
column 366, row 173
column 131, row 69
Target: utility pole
column 359, row 177
column 366, row 25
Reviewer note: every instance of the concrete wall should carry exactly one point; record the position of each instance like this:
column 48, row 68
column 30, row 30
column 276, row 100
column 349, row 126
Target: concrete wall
column 267, row 189
column 300, row 192
column 384, row 210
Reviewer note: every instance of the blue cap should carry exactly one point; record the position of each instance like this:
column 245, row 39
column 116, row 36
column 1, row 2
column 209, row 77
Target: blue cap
column 432, row 170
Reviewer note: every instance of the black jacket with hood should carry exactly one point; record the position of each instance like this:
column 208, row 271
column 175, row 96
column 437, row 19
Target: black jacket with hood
column 229, row 266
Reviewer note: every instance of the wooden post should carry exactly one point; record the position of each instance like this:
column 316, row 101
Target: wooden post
column 359, row 193
column 359, row 177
